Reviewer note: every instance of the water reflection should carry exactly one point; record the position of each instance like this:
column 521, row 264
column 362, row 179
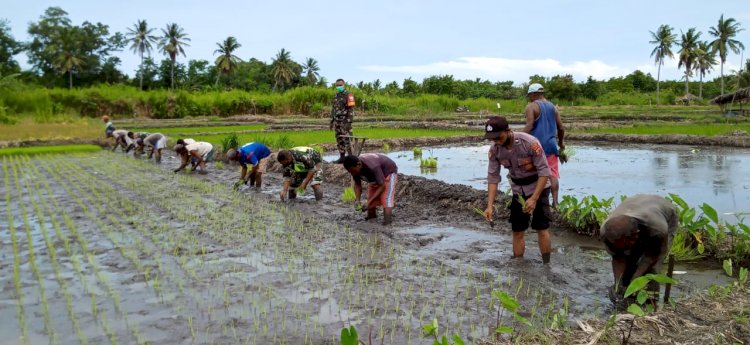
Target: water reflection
column 704, row 174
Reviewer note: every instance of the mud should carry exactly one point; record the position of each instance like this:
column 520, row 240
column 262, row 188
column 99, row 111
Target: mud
column 218, row 257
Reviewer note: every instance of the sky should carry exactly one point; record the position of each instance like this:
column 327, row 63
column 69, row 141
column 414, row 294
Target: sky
column 398, row 39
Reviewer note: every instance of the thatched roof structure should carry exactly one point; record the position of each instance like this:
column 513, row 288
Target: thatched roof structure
column 739, row 96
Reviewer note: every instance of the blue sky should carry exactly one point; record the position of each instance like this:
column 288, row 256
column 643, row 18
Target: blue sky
column 393, row 40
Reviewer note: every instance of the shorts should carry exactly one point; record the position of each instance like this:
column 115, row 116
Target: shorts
column 208, row 157
column 387, row 199
column 540, row 219
column 162, row 143
column 298, row 177
column 554, row 166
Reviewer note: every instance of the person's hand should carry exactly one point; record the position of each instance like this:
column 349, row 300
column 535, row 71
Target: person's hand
column 238, row 184
column 359, row 207
column 176, row 170
column 488, row 213
column 562, row 146
column 282, row 196
column 530, row 205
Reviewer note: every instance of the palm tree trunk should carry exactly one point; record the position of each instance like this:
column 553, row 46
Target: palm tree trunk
column 700, row 93
column 722, row 77
column 141, row 70
column 687, row 81
column 658, row 76
column 218, row 75
column 70, row 79
column 173, row 74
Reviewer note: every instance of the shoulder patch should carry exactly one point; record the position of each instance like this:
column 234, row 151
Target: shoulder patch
column 537, row 148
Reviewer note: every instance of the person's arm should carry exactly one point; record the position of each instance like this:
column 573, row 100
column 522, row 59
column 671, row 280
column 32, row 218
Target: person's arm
column 307, row 179
column 560, row 130
column 531, row 110
column 183, row 164
column 375, row 195
column 285, row 189
column 652, row 255
column 357, row 184
column 531, row 201
column 243, row 173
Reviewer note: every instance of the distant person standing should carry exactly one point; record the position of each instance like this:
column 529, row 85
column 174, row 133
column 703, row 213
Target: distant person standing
column 543, row 122
column 524, row 158
column 255, row 154
column 342, row 115
column 381, row 175
column 638, row 234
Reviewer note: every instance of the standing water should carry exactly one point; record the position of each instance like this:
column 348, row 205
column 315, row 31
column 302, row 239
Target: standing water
column 714, row 175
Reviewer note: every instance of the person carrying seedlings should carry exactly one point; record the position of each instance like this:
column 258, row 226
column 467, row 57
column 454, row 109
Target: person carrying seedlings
column 381, row 175
column 342, row 114
column 255, row 154
column 523, row 156
column 638, row 235
column 154, row 142
column 122, row 139
column 137, row 138
column 197, row 152
column 543, row 122
column 301, row 168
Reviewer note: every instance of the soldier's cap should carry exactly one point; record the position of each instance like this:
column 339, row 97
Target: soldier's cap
column 536, row 87
column 494, row 126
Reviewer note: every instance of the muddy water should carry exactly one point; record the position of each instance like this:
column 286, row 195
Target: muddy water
column 715, row 175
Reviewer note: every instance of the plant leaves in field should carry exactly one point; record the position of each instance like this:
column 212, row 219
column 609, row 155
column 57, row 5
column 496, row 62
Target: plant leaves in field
column 636, row 285
column 710, row 212
column 349, row 336
column 727, row 264
column 504, row 330
column 522, row 319
column 642, row 297
column 636, row 310
column 509, row 303
column 457, row 340
column 661, row 279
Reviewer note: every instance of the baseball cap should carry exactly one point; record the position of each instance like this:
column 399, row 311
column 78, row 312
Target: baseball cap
column 536, row 87
column 494, row 126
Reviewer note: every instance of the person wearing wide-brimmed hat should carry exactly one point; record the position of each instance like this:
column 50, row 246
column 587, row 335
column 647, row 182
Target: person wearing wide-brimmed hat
column 523, row 156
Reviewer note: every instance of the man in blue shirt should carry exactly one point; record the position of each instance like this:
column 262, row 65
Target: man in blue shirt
column 543, row 122
column 255, row 154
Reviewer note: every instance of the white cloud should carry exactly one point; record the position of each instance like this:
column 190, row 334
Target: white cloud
column 500, row 69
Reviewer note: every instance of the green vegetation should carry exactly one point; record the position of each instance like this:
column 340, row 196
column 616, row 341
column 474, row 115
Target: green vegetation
column 417, row 151
column 37, row 150
column 429, row 162
column 188, row 131
column 348, row 195
column 691, row 129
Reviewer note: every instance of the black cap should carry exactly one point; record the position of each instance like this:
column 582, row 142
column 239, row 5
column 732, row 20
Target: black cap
column 494, row 126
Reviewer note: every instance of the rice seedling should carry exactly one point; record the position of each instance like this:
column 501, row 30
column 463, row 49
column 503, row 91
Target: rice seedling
column 417, row 151
column 40, row 150
column 429, row 163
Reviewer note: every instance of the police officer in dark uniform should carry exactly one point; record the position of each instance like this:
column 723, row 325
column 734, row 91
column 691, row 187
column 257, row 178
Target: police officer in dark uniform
column 341, row 119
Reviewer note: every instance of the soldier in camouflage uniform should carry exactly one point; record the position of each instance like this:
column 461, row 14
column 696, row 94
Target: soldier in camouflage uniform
column 341, row 120
column 301, row 168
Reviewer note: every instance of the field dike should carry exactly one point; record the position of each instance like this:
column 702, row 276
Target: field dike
column 107, row 248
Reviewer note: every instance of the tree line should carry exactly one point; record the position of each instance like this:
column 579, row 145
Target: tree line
column 62, row 53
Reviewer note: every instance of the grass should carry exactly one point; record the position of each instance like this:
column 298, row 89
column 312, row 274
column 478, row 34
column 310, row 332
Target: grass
column 35, row 150
column 187, row 131
column 691, row 129
column 62, row 128
column 297, row 138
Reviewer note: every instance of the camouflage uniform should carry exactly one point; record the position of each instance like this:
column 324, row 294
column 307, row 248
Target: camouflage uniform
column 342, row 116
column 305, row 159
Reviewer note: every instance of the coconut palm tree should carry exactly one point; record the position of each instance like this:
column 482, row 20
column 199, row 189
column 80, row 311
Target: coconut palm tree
column 311, row 69
column 724, row 33
column 663, row 38
column 688, row 51
column 282, row 68
column 705, row 60
column 141, row 41
column 68, row 57
column 227, row 61
column 173, row 42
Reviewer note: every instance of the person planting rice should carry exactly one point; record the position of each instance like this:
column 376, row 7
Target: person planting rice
column 122, row 139
column 109, row 127
column 197, row 152
column 381, row 174
column 638, row 235
column 301, row 168
column 256, row 154
column 154, row 142
column 544, row 123
column 523, row 156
